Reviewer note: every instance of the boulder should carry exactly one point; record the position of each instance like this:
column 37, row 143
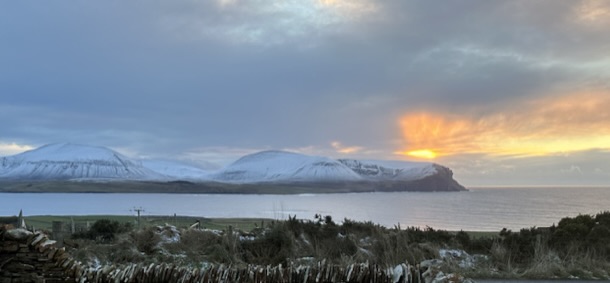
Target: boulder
column 18, row 234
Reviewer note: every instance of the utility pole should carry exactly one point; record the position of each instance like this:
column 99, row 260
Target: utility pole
column 138, row 210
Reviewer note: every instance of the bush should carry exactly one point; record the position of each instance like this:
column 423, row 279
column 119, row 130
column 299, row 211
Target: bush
column 463, row 239
column 575, row 244
column 274, row 247
column 146, row 240
column 603, row 219
column 104, row 230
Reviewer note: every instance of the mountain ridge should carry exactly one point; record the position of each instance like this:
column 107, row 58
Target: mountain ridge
column 66, row 161
column 63, row 161
column 278, row 166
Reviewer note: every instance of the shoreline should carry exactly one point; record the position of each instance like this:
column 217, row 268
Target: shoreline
column 187, row 187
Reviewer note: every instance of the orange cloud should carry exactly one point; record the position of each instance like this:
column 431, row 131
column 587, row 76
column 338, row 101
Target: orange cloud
column 539, row 127
column 593, row 12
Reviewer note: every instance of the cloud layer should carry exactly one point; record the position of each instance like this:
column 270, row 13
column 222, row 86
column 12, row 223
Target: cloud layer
column 538, row 127
column 342, row 78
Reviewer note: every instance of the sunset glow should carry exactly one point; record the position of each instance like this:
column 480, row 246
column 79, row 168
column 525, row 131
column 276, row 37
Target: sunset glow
column 422, row 153
column 549, row 126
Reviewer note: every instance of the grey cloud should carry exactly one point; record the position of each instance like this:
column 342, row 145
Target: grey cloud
column 175, row 76
column 578, row 168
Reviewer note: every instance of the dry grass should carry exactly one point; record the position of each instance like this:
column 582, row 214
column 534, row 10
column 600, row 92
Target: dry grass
column 530, row 253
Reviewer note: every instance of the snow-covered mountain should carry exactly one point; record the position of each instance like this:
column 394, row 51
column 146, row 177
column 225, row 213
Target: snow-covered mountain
column 391, row 170
column 286, row 167
column 405, row 175
column 177, row 170
column 64, row 161
column 67, row 161
column 281, row 166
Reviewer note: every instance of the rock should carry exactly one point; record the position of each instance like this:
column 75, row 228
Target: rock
column 45, row 245
column 9, row 247
column 439, row 278
column 168, row 233
column 443, row 253
column 462, row 258
column 400, row 273
column 18, row 267
column 430, row 262
column 397, row 273
column 18, row 234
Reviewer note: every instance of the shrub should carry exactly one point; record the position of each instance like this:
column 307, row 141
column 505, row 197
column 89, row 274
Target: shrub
column 603, row 219
column 103, row 230
column 463, row 239
column 274, row 247
column 146, row 240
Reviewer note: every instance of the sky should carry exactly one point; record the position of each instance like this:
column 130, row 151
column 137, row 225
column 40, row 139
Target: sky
column 502, row 92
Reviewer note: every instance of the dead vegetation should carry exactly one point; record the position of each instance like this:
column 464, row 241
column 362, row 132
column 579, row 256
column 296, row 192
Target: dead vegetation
column 576, row 248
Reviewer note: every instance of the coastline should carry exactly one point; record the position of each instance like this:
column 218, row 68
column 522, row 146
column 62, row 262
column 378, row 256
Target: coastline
column 186, row 187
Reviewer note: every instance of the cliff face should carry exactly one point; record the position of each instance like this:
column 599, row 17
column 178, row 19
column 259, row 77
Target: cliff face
column 405, row 176
column 441, row 181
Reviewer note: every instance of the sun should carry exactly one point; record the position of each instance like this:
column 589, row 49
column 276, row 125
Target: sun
column 422, row 153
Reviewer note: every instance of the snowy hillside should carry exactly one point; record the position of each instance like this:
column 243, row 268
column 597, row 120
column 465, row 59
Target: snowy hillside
column 280, row 166
column 405, row 175
column 67, row 161
column 390, row 170
column 73, row 161
column 177, row 170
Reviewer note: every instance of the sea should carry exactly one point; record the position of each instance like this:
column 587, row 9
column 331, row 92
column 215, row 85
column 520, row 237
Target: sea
column 479, row 209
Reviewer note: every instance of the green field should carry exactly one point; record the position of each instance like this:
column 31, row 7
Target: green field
column 244, row 224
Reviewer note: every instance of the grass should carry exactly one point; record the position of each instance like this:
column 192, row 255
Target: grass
column 244, row 224
column 479, row 234
column 576, row 247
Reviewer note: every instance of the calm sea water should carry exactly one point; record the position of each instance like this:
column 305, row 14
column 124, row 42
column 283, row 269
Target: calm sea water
column 482, row 209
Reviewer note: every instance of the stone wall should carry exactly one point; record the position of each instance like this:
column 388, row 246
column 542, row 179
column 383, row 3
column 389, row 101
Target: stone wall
column 32, row 257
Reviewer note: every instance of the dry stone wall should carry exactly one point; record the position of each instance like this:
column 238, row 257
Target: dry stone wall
column 33, row 257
